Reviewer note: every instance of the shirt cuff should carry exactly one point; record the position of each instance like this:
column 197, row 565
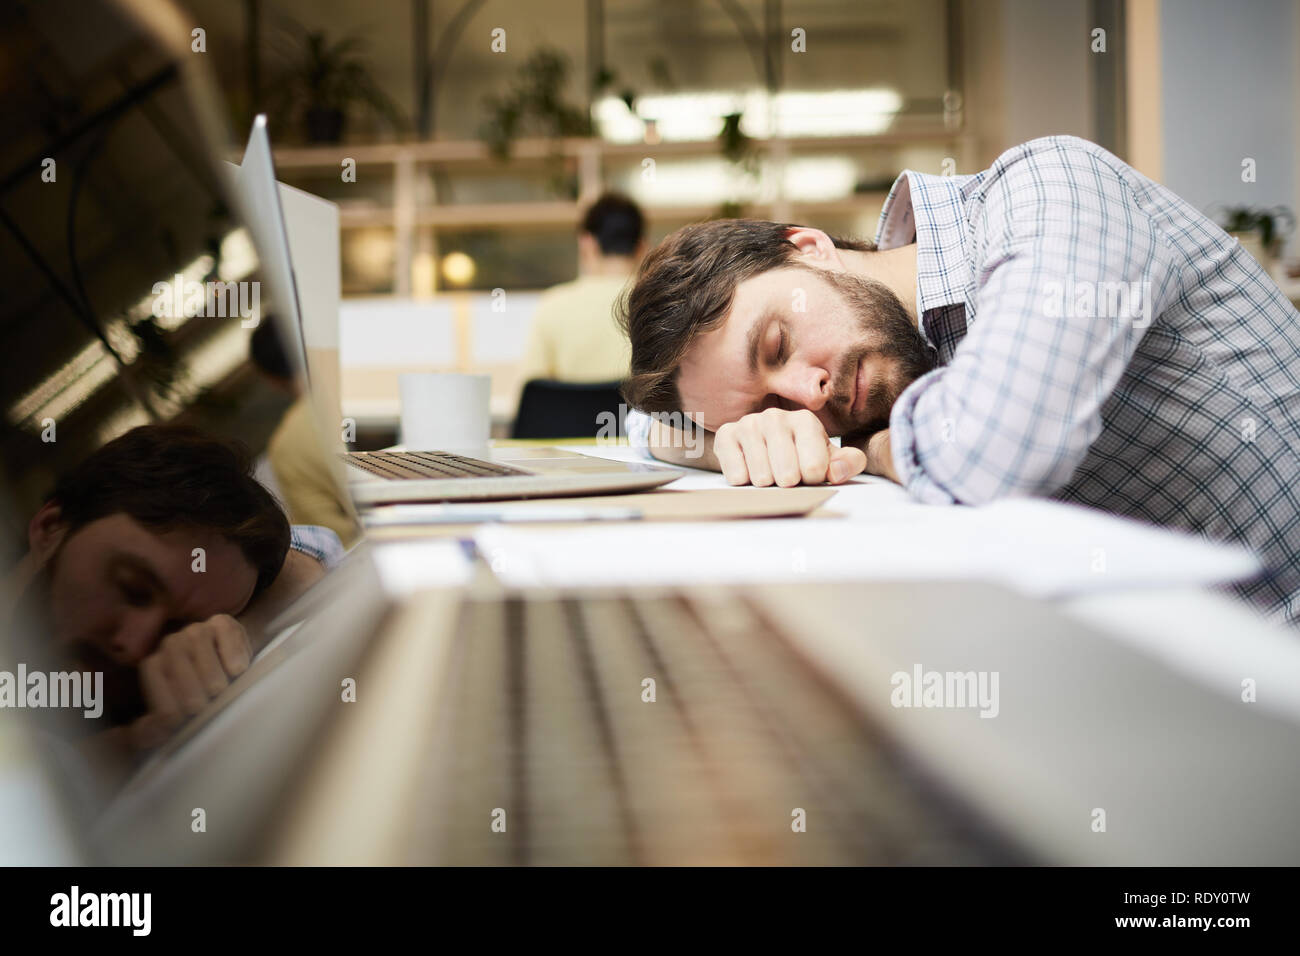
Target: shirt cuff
column 903, row 446
column 637, row 426
column 317, row 542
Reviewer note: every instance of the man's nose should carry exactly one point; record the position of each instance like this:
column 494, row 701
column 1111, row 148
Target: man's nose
column 138, row 632
column 808, row 387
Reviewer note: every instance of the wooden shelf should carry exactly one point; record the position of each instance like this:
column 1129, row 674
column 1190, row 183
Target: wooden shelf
column 362, row 215
column 535, row 150
column 407, row 216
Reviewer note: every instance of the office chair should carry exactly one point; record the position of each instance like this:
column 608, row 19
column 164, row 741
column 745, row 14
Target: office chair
column 549, row 409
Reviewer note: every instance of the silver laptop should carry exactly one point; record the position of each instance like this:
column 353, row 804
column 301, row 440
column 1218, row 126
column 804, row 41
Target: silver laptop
column 425, row 474
column 754, row 724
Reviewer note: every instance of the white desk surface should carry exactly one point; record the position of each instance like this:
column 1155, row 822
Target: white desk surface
column 1208, row 635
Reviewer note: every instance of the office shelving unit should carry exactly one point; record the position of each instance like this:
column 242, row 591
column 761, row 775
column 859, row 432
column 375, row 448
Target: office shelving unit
column 410, row 210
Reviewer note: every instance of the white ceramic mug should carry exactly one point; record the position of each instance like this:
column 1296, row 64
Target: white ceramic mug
column 445, row 411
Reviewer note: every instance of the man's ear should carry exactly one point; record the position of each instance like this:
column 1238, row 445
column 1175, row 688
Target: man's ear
column 46, row 531
column 815, row 247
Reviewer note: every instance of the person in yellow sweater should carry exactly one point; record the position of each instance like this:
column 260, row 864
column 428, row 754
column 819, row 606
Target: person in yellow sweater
column 297, row 461
column 574, row 336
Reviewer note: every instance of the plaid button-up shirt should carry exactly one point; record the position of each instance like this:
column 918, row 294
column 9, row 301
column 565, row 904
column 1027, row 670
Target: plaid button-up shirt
column 317, row 541
column 1101, row 342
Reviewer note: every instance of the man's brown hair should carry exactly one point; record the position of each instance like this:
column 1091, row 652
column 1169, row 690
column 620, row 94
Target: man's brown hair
column 684, row 288
column 172, row 476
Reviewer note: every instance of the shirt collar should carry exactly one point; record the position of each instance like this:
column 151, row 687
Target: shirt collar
column 930, row 211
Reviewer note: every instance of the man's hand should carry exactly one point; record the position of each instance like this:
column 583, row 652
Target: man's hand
column 190, row 667
column 783, row 448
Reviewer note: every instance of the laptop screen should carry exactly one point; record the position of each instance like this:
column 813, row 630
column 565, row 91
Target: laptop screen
column 130, row 289
column 130, row 307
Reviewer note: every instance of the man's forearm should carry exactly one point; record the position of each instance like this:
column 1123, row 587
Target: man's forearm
column 300, row 572
column 880, row 455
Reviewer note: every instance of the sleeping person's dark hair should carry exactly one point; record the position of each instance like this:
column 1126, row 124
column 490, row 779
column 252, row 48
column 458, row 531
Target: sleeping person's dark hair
column 172, row 476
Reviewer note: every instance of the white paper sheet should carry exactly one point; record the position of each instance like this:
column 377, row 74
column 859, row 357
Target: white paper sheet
column 409, row 566
column 1038, row 547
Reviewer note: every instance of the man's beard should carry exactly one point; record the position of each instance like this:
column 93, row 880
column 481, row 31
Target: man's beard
column 890, row 335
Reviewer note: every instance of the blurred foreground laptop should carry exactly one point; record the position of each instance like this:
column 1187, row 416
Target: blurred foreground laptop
column 416, row 474
column 792, row 724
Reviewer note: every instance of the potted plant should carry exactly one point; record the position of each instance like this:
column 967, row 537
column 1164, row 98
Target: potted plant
column 1260, row 231
column 325, row 80
column 535, row 104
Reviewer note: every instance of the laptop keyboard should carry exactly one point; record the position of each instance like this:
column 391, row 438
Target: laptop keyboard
column 549, row 732
column 406, row 465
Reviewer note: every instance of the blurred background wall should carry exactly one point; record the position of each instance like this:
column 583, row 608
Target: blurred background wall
column 1230, row 74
